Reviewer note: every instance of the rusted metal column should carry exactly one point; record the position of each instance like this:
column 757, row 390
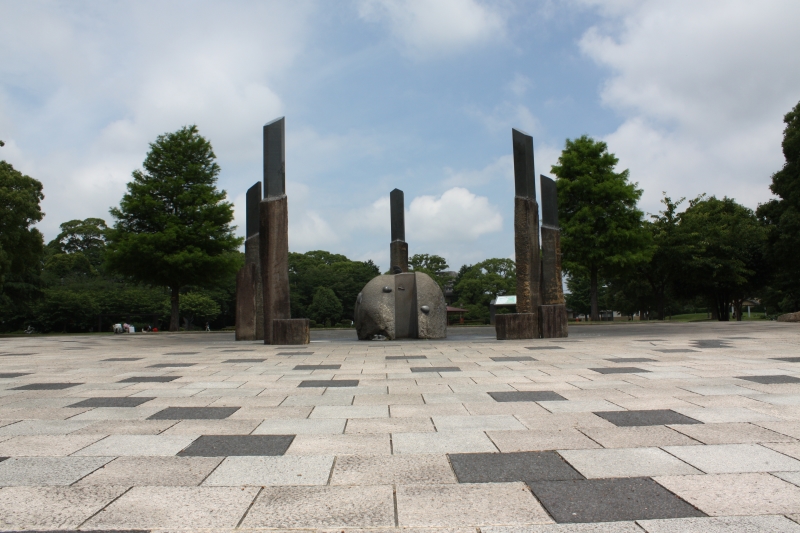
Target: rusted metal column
column 553, row 311
column 398, row 248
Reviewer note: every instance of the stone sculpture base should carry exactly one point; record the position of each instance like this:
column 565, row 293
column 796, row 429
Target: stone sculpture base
column 513, row 326
column 246, row 308
column 553, row 321
column 291, row 331
column 273, row 247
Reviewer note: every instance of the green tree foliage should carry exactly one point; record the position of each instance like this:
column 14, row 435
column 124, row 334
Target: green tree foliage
column 325, row 308
column 433, row 265
column 601, row 227
column 197, row 306
column 87, row 237
column 311, row 270
column 173, row 227
column 477, row 285
column 723, row 243
column 782, row 218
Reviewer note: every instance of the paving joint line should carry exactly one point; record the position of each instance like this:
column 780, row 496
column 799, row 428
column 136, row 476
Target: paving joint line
column 104, row 507
column 239, row 523
column 394, row 500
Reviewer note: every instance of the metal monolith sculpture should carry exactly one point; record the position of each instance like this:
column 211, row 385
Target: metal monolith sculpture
column 249, row 293
column 273, row 244
column 524, row 324
column 398, row 248
column 400, row 305
column 553, row 311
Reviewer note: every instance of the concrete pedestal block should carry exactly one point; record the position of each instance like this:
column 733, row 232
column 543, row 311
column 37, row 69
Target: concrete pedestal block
column 291, row 331
column 513, row 326
column 246, row 308
column 553, row 321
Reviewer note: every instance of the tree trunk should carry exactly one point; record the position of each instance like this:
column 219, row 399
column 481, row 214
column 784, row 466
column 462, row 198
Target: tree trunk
column 660, row 303
column 723, row 306
column 174, row 322
column 737, row 308
column 593, row 293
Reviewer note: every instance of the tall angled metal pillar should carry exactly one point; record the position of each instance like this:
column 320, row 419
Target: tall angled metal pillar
column 553, row 311
column 249, row 292
column 274, row 244
column 398, row 248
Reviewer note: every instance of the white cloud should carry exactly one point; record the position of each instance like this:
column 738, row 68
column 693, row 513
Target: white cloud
column 703, row 87
column 520, row 85
column 506, row 116
column 456, row 216
column 426, row 28
column 499, row 172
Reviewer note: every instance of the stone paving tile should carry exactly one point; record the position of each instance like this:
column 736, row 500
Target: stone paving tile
column 350, row 411
column 580, row 406
column 508, row 467
column 731, row 433
column 609, row 500
column 638, row 436
column 300, row 426
column 271, row 471
column 322, row 507
column 329, row 383
column 20, row 471
column 149, row 379
column 735, row 494
column 771, row 380
column 734, row 458
column 485, row 423
column 435, row 369
column 367, row 444
column 322, row 399
column 392, row 469
column 719, row 415
column 468, row 441
column 112, row 402
column 619, row 370
column 512, row 359
column 175, row 507
column 564, row 420
column 361, row 426
column 45, row 445
column 129, row 445
column 792, row 449
column 125, row 427
column 52, row 507
column 229, row 445
column 388, row 399
column 195, row 413
column 467, row 504
column 526, row 396
column 602, row 527
column 535, row 440
column 261, row 413
column 655, row 417
column 212, row 427
column 153, row 471
column 46, row 386
column 731, row 524
column 626, row 462
column 43, row 427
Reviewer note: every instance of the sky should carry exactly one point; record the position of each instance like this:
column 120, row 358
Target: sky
column 419, row 95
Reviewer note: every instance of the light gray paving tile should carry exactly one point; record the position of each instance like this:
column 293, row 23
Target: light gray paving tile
column 791, row 429
column 302, row 400
column 416, row 411
column 126, row 427
column 727, row 524
column 367, row 444
column 735, row 494
column 153, row 471
column 533, row 440
column 734, row 458
column 530, row 409
column 350, row 411
column 45, row 445
column 626, row 462
column 20, row 471
column 175, row 507
column 717, row 390
column 301, row 426
column 52, row 507
column 792, row 449
column 719, row 415
column 212, row 427
column 121, row 445
column 638, row 436
column 455, row 441
column 392, row 469
column 118, row 413
column 603, row 527
column 564, row 420
column 433, row 398
column 485, row 422
column 732, row 433
column 580, row 406
column 358, row 426
column 261, row 413
column 270, row 471
column 43, row 427
column 322, row 507
column 468, row 504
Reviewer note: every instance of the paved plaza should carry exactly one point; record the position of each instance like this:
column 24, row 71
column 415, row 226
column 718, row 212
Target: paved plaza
column 621, row 428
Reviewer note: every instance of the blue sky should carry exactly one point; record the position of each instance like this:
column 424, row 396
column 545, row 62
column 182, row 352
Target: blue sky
column 378, row 94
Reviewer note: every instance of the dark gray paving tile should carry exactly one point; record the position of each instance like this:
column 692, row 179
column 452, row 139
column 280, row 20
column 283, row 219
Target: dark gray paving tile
column 435, row 369
column 295, row 353
column 238, row 350
column 112, row 402
column 230, row 445
column 46, row 386
column 632, row 360
column 149, row 379
column 651, row 417
column 787, row 359
column 526, row 396
column 82, row 531
column 402, row 357
column 317, row 367
column 123, row 359
column 16, row 354
column 711, row 343
column 676, row 350
column 512, row 358
column 193, row 413
column 329, row 383
column 3, row 459
column 244, row 361
column 619, row 370
column 740, row 338
column 181, row 353
column 610, row 500
column 545, row 347
column 506, row 467
column 770, row 380
column 8, row 375
column 168, row 365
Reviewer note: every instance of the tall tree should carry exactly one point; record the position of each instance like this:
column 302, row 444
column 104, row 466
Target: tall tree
column 173, row 227
column 601, row 227
column 433, row 265
column 87, row 237
column 477, row 285
column 782, row 218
